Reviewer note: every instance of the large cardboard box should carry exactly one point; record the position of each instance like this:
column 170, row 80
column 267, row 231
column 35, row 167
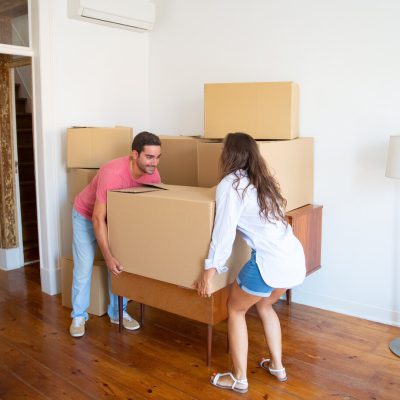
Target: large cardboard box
column 99, row 297
column 165, row 234
column 290, row 161
column 92, row 147
column 178, row 163
column 265, row 110
column 78, row 179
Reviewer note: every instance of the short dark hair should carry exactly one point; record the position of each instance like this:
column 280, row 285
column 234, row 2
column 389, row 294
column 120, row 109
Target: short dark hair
column 145, row 139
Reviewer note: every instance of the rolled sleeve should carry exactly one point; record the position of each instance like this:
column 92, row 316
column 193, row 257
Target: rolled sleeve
column 229, row 205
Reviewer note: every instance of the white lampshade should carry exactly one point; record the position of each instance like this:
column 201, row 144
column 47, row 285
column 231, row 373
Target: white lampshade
column 393, row 159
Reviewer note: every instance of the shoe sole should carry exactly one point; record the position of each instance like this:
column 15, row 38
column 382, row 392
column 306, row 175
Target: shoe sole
column 128, row 329
column 77, row 334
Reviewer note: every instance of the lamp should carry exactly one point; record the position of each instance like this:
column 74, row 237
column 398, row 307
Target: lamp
column 393, row 171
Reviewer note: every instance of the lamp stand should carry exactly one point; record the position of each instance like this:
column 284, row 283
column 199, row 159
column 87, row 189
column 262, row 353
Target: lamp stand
column 394, row 346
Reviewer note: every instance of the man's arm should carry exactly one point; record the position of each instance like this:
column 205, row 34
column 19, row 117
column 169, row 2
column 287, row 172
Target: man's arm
column 99, row 219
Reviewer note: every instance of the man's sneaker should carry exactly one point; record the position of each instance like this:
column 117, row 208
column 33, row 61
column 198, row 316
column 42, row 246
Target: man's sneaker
column 128, row 322
column 77, row 328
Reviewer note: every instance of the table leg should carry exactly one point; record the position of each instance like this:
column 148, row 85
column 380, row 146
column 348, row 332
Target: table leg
column 141, row 314
column 209, row 344
column 289, row 297
column 120, row 313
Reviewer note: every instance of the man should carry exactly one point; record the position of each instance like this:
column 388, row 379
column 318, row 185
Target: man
column 89, row 222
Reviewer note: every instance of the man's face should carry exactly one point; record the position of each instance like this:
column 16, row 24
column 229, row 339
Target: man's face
column 148, row 159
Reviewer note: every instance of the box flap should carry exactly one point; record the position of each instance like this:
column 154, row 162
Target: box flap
column 143, row 189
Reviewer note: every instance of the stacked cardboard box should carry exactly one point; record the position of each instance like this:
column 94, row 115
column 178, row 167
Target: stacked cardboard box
column 290, row 161
column 87, row 150
column 266, row 110
column 99, row 298
column 173, row 228
column 178, row 165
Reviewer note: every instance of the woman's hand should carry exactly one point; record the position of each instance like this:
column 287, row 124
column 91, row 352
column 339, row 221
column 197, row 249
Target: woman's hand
column 202, row 285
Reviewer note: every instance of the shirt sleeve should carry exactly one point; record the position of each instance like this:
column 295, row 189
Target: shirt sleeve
column 107, row 181
column 229, row 206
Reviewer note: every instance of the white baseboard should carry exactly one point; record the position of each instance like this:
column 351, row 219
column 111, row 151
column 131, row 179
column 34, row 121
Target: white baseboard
column 50, row 280
column 365, row 311
column 10, row 259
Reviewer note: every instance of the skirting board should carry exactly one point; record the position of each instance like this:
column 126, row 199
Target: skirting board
column 364, row 311
column 10, row 259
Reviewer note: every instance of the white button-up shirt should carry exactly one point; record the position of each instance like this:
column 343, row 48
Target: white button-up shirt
column 279, row 254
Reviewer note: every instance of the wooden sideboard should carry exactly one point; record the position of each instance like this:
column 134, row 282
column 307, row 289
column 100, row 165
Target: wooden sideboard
column 306, row 223
column 307, row 226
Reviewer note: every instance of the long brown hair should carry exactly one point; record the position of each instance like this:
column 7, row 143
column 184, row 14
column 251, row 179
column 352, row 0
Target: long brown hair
column 241, row 152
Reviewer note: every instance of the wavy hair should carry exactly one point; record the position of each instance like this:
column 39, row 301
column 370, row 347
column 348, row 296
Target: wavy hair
column 241, row 152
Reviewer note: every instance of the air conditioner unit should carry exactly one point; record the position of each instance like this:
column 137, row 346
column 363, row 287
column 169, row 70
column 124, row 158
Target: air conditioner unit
column 138, row 15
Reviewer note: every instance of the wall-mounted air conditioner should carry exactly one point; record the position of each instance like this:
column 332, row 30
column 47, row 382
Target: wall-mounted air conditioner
column 138, row 15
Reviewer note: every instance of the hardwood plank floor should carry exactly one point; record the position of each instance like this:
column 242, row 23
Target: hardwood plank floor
column 327, row 355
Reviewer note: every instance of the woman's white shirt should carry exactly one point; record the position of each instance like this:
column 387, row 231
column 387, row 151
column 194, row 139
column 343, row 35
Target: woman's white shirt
column 279, row 254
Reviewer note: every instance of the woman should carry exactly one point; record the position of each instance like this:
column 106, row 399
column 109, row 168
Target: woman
column 249, row 201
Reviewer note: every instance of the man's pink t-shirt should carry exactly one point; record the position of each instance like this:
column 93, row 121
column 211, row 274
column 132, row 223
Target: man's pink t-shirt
column 115, row 174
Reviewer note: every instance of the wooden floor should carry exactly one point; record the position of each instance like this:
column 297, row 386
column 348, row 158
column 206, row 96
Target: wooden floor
column 327, row 355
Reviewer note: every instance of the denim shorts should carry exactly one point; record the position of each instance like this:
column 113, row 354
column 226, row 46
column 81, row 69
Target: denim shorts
column 250, row 280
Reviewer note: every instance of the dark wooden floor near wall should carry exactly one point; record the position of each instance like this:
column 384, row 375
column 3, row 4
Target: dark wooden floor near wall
column 327, row 355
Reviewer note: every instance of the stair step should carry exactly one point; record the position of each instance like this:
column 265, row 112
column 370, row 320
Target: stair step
column 30, row 244
column 27, row 192
column 26, row 171
column 31, row 255
column 25, row 154
column 30, row 234
column 27, row 183
column 25, row 145
column 24, row 120
column 28, row 212
column 28, row 202
column 20, row 104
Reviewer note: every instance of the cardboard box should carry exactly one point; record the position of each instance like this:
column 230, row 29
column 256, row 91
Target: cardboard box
column 168, row 239
column 99, row 297
column 266, row 110
column 178, row 164
column 290, row 161
column 92, row 147
column 78, row 179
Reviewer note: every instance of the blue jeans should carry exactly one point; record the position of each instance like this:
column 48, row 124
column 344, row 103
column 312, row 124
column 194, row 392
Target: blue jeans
column 83, row 250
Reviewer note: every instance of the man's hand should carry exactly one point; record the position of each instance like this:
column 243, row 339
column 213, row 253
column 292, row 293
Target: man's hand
column 202, row 285
column 114, row 266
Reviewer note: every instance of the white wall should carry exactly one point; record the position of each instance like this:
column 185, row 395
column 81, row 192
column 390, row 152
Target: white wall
column 86, row 75
column 345, row 55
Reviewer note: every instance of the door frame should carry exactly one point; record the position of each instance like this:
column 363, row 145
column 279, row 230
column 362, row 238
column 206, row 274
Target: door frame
column 44, row 142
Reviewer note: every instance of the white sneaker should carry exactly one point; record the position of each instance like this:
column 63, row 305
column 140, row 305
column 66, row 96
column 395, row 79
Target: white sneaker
column 77, row 328
column 128, row 322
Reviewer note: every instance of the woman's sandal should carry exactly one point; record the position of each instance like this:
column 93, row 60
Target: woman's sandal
column 280, row 374
column 214, row 381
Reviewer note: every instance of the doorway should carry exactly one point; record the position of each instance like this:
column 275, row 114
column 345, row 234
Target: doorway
column 25, row 162
column 18, row 219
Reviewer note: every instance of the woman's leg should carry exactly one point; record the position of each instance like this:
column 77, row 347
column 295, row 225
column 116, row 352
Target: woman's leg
column 272, row 328
column 238, row 304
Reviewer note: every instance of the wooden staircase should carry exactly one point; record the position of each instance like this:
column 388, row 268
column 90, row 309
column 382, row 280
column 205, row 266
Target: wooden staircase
column 26, row 171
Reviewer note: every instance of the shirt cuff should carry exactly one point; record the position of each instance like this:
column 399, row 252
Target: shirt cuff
column 208, row 265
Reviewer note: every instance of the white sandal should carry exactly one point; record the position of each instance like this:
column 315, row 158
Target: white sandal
column 214, row 381
column 275, row 372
